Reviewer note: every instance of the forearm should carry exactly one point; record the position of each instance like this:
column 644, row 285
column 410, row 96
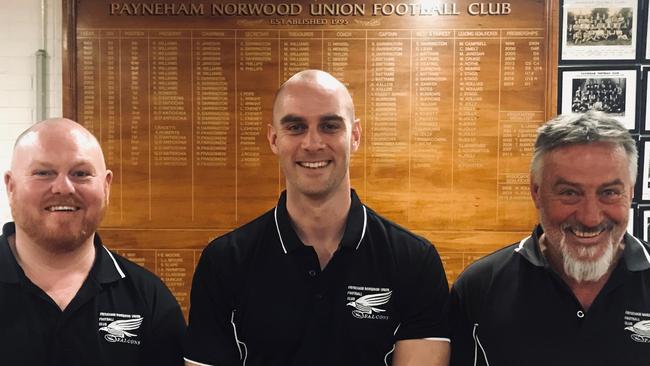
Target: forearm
column 421, row 352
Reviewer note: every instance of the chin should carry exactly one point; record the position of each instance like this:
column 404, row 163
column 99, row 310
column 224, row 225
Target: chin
column 589, row 264
column 315, row 190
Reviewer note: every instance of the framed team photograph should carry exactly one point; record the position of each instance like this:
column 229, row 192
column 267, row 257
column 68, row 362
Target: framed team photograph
column 643, row 181
column 598, row 30
column 612, row 91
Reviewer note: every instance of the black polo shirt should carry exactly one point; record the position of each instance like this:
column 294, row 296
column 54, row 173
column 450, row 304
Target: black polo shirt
column 122, row 315
column 511, row 308
column 259, row 296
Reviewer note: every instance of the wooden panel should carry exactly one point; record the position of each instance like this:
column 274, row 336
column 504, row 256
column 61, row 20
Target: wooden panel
column 180, row 96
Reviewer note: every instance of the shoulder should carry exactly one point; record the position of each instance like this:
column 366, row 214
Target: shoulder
column 484, row 271
column 141, row 290
column 398, row 238
column 148, row 285
column 226, row 255
column 238, row 244
column 410, row 257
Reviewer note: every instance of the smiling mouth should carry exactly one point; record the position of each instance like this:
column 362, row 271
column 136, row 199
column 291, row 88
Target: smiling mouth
column 62, row 208
column 314, row 164
column 586, row 234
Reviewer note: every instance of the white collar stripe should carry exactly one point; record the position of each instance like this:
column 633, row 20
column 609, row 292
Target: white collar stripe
column 645, row 252
column 365, row 223
column 277, row 227
column 117, row 266
column 521, row 244
column 284, row 249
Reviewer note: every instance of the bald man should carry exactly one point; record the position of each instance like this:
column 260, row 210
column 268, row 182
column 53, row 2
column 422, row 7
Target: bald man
column 320, row 279
column 64, row 298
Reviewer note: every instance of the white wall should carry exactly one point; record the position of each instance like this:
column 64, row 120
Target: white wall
column 20, row 37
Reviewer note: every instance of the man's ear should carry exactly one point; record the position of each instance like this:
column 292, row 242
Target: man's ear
column 9, row 184
column 534, row 190
column 356, row 135
column 107, row 184
column 272, row 136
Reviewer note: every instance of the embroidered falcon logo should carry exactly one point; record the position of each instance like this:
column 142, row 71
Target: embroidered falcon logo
column 118, row 328
column 367, row 304
column 640, row 331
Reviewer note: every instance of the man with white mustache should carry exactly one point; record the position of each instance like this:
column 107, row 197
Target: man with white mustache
column 65, row 299
column 321, row 279
column 575, row 292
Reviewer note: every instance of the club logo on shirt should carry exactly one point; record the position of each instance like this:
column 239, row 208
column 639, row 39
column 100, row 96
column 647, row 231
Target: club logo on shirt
column 639, row 324
column 367, row 302
column 120, row 328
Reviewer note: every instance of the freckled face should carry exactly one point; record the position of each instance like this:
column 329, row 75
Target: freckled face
column 58, row 187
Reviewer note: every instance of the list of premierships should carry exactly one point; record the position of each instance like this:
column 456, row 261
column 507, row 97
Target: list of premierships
column 448, row 120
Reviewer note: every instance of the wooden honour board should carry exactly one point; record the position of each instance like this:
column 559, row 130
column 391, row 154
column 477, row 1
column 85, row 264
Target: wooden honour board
column 180, row 93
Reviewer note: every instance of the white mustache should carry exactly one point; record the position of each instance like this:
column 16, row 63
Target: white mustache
column 577, row 227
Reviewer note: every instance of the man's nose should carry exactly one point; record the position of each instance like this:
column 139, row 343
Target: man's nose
column 312, row 140
column 62, row 185
column 590, row 212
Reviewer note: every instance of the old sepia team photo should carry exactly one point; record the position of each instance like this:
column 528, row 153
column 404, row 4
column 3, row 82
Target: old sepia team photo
column 599, row 30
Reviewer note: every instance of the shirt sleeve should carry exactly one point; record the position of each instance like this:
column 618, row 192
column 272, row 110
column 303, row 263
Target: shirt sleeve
column 211, row 338
column 464, row 305
column 462, row 341
column 168, row 332
column 423, row 303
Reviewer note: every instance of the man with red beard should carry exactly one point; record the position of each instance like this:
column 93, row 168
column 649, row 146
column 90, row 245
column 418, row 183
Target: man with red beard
column 321, row 279
column 575, row 292
column 64, row 298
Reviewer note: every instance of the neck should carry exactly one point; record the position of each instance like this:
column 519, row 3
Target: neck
column 60, row 275
column 320, row 221
column 586, row 291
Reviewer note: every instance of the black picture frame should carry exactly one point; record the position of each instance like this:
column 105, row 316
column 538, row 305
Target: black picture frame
column 632, row 221
column 644, row 38
column 577, row 83
column 644, row 101
column 642, row 222
column 643, row 174
column 599, row 31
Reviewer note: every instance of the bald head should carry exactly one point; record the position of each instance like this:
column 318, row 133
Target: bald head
column 51, row 132
column 316, row 79
column 58, row 186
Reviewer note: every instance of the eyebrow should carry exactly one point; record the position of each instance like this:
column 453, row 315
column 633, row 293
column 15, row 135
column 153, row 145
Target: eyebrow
column 614, row 182
column 331, row 118
column 47, row 165
column 292, row 118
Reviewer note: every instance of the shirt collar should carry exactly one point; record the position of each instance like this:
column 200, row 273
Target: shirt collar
column 105, row 268
column 529, row 248
column 636, row 253
column 9, row 268
column 355, row 227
